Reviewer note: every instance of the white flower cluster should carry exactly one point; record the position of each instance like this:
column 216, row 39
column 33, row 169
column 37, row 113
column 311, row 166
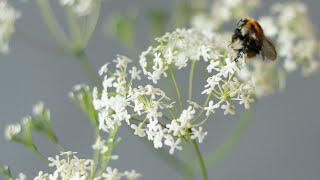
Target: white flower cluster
column 113, row 174
column 180, row 47
column 12, row 130
column 100, row 145
column 8, row 17
column 79, row 7
column 145, row 108
column 74, row 168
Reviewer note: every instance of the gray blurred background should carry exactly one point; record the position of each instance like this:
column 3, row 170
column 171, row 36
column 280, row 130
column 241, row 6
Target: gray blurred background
column 282, row 142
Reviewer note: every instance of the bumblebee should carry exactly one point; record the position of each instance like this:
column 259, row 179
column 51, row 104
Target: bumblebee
column 249, row 40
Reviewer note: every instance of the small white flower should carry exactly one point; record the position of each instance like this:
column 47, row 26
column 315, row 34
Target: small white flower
column 229, row 109
column 211, row 83
column 138, row 130
column 246, row 100
column 41, row 176
column 122, row 61
column 77, row 176
column 12, row 130
column 56, row 162
column 174, row 127
column 135, row 73
column 169, row 55
column 198, row 134
column 181, row 61
column 172, row 144
column 154, row 76
column 53, row 176
column 103, row 69
column 67, row 153
column 83, row 7
column 100, row 145
column 22, row 177
column 158, row 60
column 79, row 7
column 112, row 174
column 213, row 65
column 132, row 175
column 211, row 108
column 204, row 52
column 231, row 67
column 38, row 108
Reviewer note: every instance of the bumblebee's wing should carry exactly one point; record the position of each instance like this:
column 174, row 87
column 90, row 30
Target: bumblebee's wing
column 268, row 49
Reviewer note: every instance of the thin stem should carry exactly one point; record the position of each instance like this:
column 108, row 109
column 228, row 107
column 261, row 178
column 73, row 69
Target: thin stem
column 96, row 154
column 205, row 104
column 191, row 79
column 200, row 160
column 34, row 149
column 202, row 122
column 91, row 73
column 110, row 144
column 177, row 87
column 74, row 29
column 51, row 22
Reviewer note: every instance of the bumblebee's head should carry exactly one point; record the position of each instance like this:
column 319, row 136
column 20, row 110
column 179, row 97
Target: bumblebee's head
column 242, row 22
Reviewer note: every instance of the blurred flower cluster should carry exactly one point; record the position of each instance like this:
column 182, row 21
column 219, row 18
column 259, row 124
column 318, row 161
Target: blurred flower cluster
column 8, row 17
column 79, row 7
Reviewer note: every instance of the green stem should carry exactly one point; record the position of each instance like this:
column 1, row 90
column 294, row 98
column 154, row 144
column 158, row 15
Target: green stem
column 177, row 87
column 213, row 157
column 202, row 122
column 91, row 73
column 191, row 79
column 204, row 105
column 110, row 144
column 95, row 155
column 34, row 149
column 200, row 160
column 74, row 29
column 51, row 22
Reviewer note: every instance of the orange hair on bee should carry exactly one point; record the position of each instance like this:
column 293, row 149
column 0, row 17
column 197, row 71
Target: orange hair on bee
column 253, row 25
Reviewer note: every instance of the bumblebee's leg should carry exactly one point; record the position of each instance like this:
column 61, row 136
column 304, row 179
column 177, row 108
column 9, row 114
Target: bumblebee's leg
column 241, row 54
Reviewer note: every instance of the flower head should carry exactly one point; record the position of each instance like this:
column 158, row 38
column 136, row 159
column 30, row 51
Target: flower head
column 8, row 16
column 12, row 130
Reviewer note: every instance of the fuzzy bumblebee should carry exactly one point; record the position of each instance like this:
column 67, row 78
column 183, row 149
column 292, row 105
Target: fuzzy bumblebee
column 249, row 40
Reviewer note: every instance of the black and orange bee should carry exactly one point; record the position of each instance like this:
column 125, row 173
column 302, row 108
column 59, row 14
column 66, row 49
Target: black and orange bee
column 248, row 39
